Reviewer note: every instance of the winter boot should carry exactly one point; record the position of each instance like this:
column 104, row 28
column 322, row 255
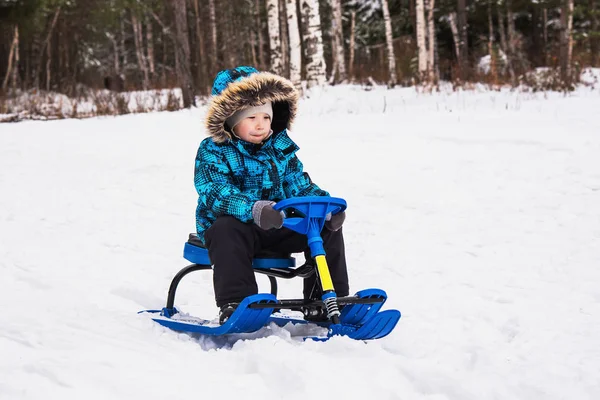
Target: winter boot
column 226, row 311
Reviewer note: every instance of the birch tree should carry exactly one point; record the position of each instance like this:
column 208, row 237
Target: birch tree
column 139, row 49
column 274, row 39
column 313, row 41
column 294, row 39
column 393, row 79
column 338, row 42
column 455, row 37
column 566, row 40
column 352, row 43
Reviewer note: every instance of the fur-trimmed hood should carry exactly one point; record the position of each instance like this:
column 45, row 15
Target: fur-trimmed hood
column 244, row 87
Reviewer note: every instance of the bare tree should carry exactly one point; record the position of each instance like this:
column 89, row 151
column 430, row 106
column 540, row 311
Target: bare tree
column 505, row 47
column 259, row 34
column 545, row 34
column 12, row 55
column 150, row 45
column 313, row 41
column 566, row 40
column 44, row 45
column 274, row 39
column 421, row 36
column 201, row 70
column 431, row 64
column 393, row 78
column 352, row 43
column 455, row 37
column 184, row 72
column 595, row 35
column 139, row 48
column 295, row 48
column 285, row 38
column 491, row 42
column 463, row 41
column 511, row 34
column 338, row 42
column 213, row 35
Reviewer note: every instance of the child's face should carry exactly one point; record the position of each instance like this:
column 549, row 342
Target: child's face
column 254, row 129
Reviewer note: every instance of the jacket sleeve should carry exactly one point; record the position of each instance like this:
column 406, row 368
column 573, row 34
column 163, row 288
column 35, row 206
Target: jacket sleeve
column 297, row 182
column 212, row 178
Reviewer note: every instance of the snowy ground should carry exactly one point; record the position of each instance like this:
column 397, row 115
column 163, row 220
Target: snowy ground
column 478, row 213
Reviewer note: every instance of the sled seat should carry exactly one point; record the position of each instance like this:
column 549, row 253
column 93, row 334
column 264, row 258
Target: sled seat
column 195, row 252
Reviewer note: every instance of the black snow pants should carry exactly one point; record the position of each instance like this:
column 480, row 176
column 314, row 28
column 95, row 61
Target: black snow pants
column 232, row 245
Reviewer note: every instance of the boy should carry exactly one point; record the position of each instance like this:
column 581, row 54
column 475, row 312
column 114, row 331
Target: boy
column 247, row 165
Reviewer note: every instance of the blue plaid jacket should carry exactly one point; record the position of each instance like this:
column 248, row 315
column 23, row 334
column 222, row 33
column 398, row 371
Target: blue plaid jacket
column 230, row 174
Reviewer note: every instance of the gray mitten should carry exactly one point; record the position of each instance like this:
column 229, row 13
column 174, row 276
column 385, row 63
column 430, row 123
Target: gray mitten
column 335, row 222
column 265, row 216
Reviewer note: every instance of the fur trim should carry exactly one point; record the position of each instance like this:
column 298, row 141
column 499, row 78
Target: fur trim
column 251, row 91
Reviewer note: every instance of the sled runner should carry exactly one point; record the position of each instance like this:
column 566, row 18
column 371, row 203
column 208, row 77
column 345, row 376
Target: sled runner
column 358, row 317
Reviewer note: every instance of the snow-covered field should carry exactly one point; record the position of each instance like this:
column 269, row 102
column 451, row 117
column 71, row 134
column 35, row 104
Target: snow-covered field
column 478, row 212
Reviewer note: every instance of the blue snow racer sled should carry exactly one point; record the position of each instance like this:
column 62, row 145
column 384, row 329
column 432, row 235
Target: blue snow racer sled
column 360, row 317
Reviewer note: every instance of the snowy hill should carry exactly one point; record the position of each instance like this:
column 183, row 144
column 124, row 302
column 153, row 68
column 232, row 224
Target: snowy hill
column 478, row 212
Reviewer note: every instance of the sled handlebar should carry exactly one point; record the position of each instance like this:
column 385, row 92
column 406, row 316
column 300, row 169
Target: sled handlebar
column 312, row 211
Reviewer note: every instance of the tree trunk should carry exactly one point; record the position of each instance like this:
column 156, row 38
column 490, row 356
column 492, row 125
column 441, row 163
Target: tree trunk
column 150, row 46
column 338, row 41
column 259, row 35
column 285, row 41
column 545, row 23
column 455, row 37
column 116, row 63
column 48, row 64
column 566, row 40
column 595, row 33
column 139, row 49
column 462, row 34
column 229, row 43
column 313, row 42
column 123, row 48
column 391, row 56
column 11, row 55
column 213, row 37
column 352, row 44
column 184, row 73
column 510, row 25
column 421, row 45
column 505, row 46
column 491, row 44
column 201, row 70
column 431, row 65
column 48, row 36
column 276, row 64
column 15, row 72
column 295, row 47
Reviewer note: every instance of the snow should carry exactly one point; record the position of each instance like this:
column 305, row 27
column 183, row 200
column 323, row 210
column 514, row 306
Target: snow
column 42, row 105
column 477, row 211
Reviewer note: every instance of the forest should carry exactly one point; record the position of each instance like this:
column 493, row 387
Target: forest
column 69, row 46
